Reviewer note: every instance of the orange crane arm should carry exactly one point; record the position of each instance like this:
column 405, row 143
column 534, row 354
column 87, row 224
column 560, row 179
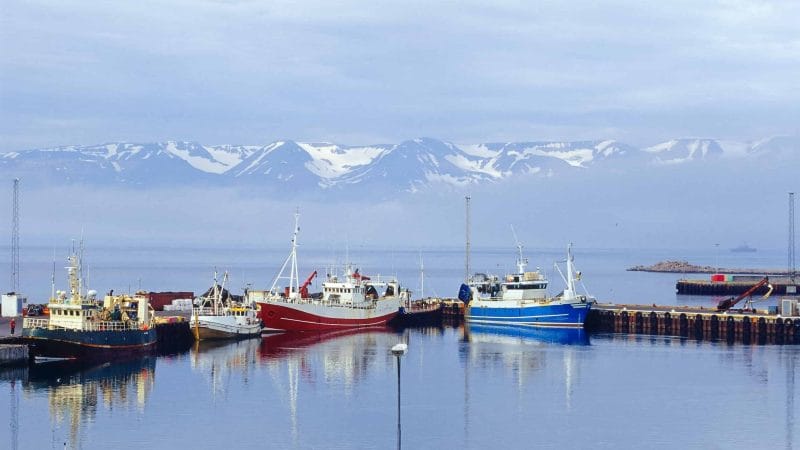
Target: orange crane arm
column 304, row 287
column 725, row 305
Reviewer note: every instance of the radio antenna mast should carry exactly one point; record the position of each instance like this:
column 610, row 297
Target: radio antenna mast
column 15, row 240
column 792, row 268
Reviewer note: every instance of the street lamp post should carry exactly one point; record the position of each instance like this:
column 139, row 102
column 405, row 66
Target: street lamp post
column 398, row 351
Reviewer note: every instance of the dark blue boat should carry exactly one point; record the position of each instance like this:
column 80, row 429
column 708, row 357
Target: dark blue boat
column 82, row 327
column 89, row 344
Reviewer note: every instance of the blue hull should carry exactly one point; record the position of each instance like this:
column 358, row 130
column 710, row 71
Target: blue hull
column 89, row 344
column 567, row 315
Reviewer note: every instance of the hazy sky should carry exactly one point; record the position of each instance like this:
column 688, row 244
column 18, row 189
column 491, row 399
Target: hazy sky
column 79, row 72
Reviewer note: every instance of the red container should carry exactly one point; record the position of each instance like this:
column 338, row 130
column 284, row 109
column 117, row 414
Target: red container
column 717, row 277
column 159, row 299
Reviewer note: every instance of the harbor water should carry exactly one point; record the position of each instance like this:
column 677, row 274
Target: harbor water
column 461, row 387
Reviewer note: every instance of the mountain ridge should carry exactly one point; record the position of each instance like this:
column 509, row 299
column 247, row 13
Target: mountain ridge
column 409, row 165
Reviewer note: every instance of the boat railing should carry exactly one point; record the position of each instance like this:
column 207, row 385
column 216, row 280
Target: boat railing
column 101, row 325
column 114, row 325
column 35, row 323
column 221, row 311
column 208, row 311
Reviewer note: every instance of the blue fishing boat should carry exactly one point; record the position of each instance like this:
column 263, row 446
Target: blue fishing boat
column 521, row 298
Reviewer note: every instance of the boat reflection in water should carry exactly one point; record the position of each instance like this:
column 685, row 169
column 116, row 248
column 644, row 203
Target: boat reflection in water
column 336, row 359
column 77, row 391
column 221, row 359
column 333, row 345
column 525, row 335
column 529, row 355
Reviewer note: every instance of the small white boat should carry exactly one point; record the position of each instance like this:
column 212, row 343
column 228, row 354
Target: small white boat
column 215, row 318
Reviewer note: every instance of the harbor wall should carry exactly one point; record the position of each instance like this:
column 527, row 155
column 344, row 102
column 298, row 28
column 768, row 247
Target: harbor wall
column 700, row 325
column 703, row 287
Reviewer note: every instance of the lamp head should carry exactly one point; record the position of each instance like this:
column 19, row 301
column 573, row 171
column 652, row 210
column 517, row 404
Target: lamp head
column 400, row 349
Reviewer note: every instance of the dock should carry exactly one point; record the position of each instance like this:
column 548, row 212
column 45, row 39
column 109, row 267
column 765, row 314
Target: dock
column 174, row 335
column 453, row 309
column 695, row 323
column 736, row 287
column 13, row 354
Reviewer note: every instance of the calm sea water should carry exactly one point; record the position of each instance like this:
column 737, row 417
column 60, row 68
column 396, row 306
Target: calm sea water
column 461, row 387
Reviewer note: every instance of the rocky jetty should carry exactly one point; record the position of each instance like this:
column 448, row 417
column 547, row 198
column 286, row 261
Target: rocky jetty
column 674, row 267
column 686, row 267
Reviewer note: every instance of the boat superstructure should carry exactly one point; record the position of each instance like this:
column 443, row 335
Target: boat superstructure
column 217, row 318
column 521, row 298
column 80, row 325
column 347, row 300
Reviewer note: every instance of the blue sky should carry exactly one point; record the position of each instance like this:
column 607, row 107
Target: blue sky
column 249, row 72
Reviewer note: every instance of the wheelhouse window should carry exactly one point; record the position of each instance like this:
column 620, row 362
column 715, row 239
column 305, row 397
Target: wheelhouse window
column 519, row 286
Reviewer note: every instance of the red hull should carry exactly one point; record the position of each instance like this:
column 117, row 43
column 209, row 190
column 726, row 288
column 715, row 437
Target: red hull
column 278, row 317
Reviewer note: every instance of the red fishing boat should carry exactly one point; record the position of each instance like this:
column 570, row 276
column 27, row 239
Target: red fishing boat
column 348, row 300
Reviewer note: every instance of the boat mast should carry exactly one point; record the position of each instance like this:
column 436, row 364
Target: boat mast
column 215, row 293
column 294, row 279
column 73, row 270
column 521, row 262
column 222, row 290
column 570, row 274
column 421, row 277
column 53, row 278
column 294, row 283
column 467, row 252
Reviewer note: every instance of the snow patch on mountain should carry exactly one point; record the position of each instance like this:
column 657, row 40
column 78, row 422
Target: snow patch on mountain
column 479, row 150
column 230, row 155
column 474, row 165
column 199, row 162
column 574, row 157
column 332, row 161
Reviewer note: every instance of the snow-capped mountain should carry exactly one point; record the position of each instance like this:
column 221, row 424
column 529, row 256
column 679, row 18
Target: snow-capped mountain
column 408, row 166
column 282, row 161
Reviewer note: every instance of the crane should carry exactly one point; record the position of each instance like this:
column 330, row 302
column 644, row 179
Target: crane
column 727, row 304
column 304, row 287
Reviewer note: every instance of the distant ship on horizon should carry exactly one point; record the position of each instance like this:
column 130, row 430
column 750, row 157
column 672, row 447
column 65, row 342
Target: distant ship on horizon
column 744, row 248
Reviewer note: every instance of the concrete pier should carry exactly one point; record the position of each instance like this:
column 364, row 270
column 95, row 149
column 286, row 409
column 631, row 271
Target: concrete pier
column 731, row 288
column 695, row 323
